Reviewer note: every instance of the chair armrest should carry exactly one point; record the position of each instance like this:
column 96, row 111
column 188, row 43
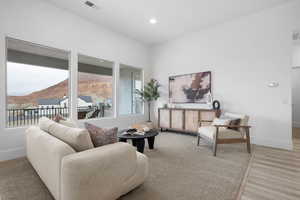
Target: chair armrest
column 232, row 126
column 98, row 173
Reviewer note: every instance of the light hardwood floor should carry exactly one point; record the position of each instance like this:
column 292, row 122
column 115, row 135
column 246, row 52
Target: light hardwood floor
column 273, row 174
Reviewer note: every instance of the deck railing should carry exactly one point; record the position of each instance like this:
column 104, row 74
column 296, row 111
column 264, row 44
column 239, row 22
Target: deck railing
column 31, row 116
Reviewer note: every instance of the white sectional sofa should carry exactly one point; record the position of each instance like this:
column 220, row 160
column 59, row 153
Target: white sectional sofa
column 103, row 173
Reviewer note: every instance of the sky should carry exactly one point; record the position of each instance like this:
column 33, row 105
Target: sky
column 24, row 79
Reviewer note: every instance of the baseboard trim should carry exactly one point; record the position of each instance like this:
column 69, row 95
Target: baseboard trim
column 280, row 144
column 12, row 153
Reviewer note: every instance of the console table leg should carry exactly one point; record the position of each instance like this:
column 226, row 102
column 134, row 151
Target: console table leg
column 151, row 142
column 139, row 144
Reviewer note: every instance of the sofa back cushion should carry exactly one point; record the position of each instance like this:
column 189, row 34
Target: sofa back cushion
column 78, row 139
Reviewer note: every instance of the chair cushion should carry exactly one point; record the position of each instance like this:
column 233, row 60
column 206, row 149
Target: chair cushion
column 210, row 132
column 207, row 131
column 102, row 136
column 229, row 133
column 220, row 121
column 78, row 139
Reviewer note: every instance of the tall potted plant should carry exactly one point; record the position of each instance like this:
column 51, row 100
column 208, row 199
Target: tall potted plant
column 149, row 93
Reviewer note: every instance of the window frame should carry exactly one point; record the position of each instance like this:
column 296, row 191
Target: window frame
column 6, row 41
column 142, row 86
column 114, row 85
column 73, row 54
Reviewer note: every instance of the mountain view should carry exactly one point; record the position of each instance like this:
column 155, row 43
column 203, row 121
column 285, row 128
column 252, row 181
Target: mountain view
column 98, row 87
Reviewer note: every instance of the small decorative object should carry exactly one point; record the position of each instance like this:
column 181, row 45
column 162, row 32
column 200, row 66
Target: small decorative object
column 132, row 130
column 209, row 100
column 146, row 129
column 149, row 93
column 216, row 105
column 165, row 105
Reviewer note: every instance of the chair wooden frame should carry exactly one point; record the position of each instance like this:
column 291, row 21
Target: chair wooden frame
column 217, row 141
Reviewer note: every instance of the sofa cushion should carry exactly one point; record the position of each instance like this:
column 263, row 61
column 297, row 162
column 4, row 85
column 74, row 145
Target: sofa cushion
column 102, row 136
column 78, row 139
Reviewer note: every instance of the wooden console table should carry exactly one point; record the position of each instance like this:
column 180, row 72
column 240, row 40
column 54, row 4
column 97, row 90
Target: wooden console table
column 184, row 119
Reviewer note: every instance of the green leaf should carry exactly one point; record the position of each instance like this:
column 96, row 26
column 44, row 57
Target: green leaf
column 150, row 91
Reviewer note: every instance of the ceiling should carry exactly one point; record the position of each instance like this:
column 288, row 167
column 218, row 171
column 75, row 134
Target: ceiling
column 175, row 17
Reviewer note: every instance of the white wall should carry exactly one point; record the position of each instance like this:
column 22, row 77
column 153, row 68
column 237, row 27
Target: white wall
column 125, row 91
column 244, row 56
column 296, row 85
column 39, row 22
column 296, row 54
column 296, row 96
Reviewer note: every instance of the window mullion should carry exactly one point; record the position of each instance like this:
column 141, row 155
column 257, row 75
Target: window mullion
column 73, row 93
column 3, row 78
column 116, row 89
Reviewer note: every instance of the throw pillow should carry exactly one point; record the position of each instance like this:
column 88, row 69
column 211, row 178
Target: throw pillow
column 102, row 136
column 78, row 139
column 234, row 122
column 66, row 122
column 58, row 118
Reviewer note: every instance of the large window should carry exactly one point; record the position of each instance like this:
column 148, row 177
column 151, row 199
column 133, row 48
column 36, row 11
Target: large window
column 131, row 79
column 37, row 85
column 95, row 88
column 37, row 82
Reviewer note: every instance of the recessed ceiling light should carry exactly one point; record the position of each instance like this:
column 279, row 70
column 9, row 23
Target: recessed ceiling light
column 152, row 21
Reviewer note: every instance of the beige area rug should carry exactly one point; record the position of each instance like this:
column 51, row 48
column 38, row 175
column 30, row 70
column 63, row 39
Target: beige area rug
column 179, row 170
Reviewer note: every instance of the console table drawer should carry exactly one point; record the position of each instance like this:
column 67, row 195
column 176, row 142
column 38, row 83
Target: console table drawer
column 185, row 120
column 191, row 120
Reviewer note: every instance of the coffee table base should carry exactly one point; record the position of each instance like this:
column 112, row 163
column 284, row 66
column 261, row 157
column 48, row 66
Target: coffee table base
column 139, row 143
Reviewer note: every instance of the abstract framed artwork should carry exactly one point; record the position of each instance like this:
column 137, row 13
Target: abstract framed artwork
column 190, row 88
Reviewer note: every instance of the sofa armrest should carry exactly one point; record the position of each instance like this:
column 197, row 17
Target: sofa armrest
column 98, row 173
column 45, row 153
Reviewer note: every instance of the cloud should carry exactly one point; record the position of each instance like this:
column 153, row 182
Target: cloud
column 24, row 79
